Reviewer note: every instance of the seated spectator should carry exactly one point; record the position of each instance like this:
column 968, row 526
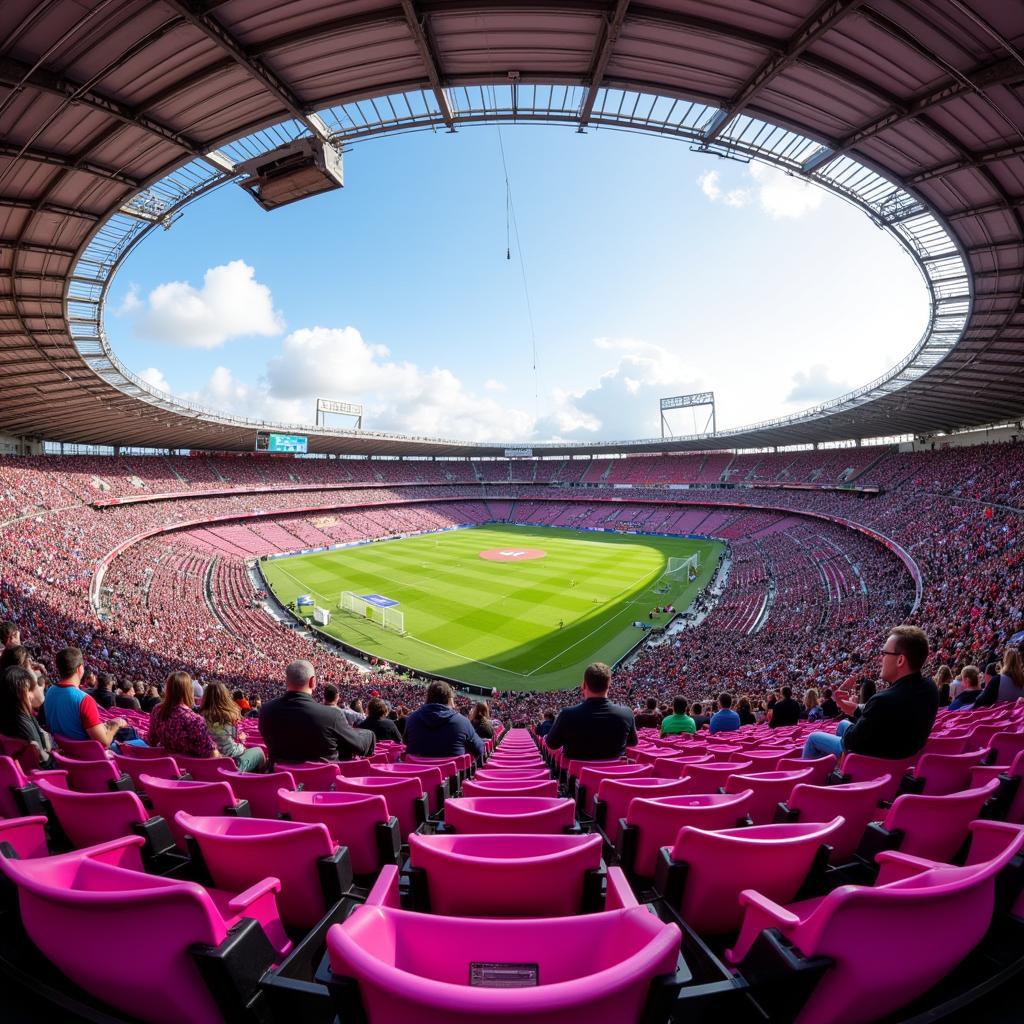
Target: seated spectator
column 296, row 728
column 943, row 679
column 829, row 708
column 596, row 729
column 72, row 713
column 377, row 721
column 480, row 719
column 150, row 698
column 197, row 693
column 436, row 729
column 745, row 711
column 700, row 720
column 10, row 637
column 175, row 726
column 103, row 694
column 896, row 722
column 724, row 719
column 545, row 726
column 679, row 721
column 811, row 705
column 1006, row 683
column 970, row 688
column 125, row 696
column 331, row 697
column 649, row 718
column 21, row 696
column 785, row 711
column 222, row 716
column 239, row 698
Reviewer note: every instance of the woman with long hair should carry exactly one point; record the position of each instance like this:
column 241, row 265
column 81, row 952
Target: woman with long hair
column 813, row 708
column 746, row 712
column 173, row 724
column 222, row 716
column 21, row 695
column 1007, row 683
column 943, row 681
column 378, row 722
column 480, row 719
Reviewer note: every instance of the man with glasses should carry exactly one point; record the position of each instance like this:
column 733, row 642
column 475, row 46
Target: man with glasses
column 895, row 722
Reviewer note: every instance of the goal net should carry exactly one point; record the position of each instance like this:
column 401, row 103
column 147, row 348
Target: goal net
column 387, row 618
column 682, row 568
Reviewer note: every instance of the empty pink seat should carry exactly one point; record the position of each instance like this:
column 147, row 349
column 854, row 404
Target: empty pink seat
column 937, row 911
column 939, row 774
column 590, row 777
column 944, row 745
column 856, row 802
column 861, row 768
column 431, row 779
column 449, row 765
column 92, row 776
column 442, row 970
column 505, row 875
column 653, row 823
column 675, row 767
column 512, row 815
column 142, row 753
column 82, row 750
column 158, row 767
column 258, row 791
column 356, row 767
column 712, row 775
column 88, row 819
column 359, row 822
column 404, row 796
column 25, row 836
column 25, row 754
column 200, row 799
column 203, row 769
column 75, row 907
column 15, row 784
column 514, row 787
column 498, row 773
column 313, row 775
column 1005, row 746
column 705, row 871
column 574, row 767
column 615, row 795
column 821, row 767
column 240, row 852
column 769, row 790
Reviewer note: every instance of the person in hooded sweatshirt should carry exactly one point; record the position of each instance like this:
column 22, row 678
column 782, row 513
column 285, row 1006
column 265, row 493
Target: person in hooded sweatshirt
column 436, row 729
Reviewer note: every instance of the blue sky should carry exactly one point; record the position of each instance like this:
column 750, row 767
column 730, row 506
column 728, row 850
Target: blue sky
column 651, row 271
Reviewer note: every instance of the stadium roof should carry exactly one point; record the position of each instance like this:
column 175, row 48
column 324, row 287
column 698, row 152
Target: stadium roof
column 114, row 114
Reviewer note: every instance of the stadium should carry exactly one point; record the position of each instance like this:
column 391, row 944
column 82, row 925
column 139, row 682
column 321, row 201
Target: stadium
column 790, row 579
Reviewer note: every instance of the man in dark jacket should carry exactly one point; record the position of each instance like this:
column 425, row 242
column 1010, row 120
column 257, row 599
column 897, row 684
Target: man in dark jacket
column 597, row 729
column 436, row 729
column 895, row 722
column 377, row 722
column 296, row 728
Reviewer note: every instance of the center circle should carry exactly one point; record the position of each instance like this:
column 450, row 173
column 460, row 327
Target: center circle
column 512, row 554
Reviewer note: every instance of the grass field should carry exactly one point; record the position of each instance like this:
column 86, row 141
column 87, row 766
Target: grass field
column 497, row 623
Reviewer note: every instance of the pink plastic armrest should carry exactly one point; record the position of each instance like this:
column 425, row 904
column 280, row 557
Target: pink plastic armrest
column 245, row 899
column 894, row 866
column 119, row 853
column 761, row 913
column 385, row 890
column 58, row 776
column 619, row 895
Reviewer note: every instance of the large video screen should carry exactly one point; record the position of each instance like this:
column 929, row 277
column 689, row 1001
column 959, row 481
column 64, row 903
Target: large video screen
column 294, row 444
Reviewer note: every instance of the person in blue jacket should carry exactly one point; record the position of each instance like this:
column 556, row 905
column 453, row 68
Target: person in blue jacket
column 436, row 729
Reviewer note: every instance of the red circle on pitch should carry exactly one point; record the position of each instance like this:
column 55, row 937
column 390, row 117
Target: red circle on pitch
column 512, row 554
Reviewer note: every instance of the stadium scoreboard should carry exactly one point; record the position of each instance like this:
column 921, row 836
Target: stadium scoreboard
column 294, row 444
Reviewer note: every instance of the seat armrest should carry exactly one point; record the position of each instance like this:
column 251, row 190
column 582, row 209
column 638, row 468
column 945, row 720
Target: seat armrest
column 760, row 913
column 385, row 891
column 894, row 866
column 618, row 894
column 240, row 903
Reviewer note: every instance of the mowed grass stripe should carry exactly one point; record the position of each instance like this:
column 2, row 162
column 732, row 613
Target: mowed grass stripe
column 478, row 620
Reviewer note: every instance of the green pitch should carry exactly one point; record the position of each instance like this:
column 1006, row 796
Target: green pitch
column 531, row 625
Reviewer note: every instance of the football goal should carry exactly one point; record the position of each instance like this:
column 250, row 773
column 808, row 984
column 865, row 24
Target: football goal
column 387, row 618
column 682, row 568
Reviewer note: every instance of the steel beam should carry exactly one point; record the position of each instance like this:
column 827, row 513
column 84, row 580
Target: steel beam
column 421, row 36
column 611, row 26
column 66, row 162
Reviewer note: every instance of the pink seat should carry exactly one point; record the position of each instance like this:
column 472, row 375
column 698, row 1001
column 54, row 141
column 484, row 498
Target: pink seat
column 258, row 791
column 711, row 776
column 1005, row 746
column 944, row 745
column 203, row 769
column 91, row 776
column 313, row 775
column 361, row 823
column 512, row 815
column 404, row 797
column 88, row 819
column 240, row 852
column 514, row 787
column 497, row 773
column 505, row 875
column 773, row 859
column 75, row 906
column 861, row 768
column 675, row 767
column 616, row 794
column 856, row 802
column 12, row 781
column 769, row 789
column 200, row 799
column 26, row 754
column 573, row 768
column 449, row 765
column 765, row 761
column 866, row 933
column 653, row 823
column 158, row 767
column 946, row 773
column 82, row 750
column 726, row 752
column 356, row 767
column 419, row 967
column 590, row 777
column 431, row 779
column 25, row 836
column 142, row 753
column 822, row 767
column 935, row 827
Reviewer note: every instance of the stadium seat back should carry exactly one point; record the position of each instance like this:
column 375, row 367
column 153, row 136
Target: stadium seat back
column 158, row 767
column 769, row 788
column 430, row 778
column 616, row 794
column 81, row 750
column 400, row 794
column 88, row 776
column 861, row 768
column 512, row 787
column 259, row 790
column 200, row 799
column 499, row 774
column 712, row 775
column 88, row 819
column 947, row 773
column 312, row 776
column 822, row 767
column 26, row 836
column 855, row 802
column 203, row 769
column 511, row 815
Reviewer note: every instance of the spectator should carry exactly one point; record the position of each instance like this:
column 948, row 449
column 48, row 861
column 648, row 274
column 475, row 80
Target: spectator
column 354, row 713
column 103, row 694
column 243, row 705
column 197, row 693
column 150, row 698
column 222, row 716
column 331, row 694
column 69, row 711
column 811, row 705
column 746, row 712
column 829, row 708
column 724, row 719
column 125, row 697
column 1006, row 683
column 700, row 720
column 436, row 729
column 377, row 722
column 175, row 726
column 943, row 678
column 649, row 718
column 679, row 721
column 596, row 729
column 545, row 726
column 970, row 688
column 296, row 728
column 785, row 711
column 481, row 721
column 15, row 656
column 896, row 722
column 21, row 695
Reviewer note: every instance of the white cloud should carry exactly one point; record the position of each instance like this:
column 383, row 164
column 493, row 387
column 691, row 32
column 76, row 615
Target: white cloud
column 155, row 379
column 494, row 385
column 130, row 303
column 816, row 384
column 780, row 195
column 230, row 304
